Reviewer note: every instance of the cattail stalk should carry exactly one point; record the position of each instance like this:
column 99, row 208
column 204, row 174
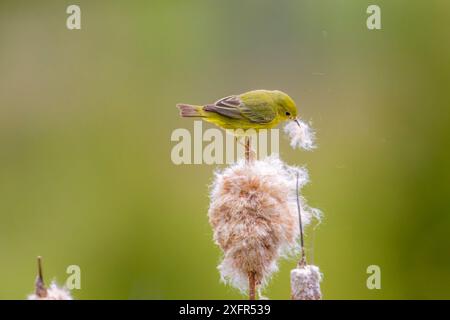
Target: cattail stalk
column 251, row 286
column 305, row 279
column 251, row 274
column 302, row 261
column 247, row 149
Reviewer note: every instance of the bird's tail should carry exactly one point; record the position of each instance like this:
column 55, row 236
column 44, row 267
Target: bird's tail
column 187, row 110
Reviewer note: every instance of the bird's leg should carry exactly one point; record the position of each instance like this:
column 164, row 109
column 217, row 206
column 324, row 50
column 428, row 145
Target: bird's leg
column 247, row 149
column 249, row 153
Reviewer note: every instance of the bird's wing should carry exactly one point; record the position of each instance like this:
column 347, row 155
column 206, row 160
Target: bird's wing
column 233, row 107
column 258, row 111
column 228, row 107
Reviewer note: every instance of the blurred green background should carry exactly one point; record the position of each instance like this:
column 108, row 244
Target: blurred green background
column 86, row 117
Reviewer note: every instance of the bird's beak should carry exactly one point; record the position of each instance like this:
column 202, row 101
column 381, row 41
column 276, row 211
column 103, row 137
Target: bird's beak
column 298, row 122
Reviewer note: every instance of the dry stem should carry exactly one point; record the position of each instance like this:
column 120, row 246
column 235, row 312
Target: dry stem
column 302, row 261
column 41, row 290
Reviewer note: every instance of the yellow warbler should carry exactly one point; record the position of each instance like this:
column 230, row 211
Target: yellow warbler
column 257, row 109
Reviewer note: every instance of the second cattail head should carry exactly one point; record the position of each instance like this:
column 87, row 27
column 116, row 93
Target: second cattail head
column 52, row 293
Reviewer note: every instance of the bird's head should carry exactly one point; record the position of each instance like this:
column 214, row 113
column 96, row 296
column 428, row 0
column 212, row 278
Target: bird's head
column 287, row 110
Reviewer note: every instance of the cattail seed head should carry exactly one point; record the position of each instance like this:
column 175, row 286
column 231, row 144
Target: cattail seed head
column 51, row 293
column 253, row 213
column 305, row 283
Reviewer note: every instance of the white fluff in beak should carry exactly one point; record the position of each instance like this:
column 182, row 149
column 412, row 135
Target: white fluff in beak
column 301, row 134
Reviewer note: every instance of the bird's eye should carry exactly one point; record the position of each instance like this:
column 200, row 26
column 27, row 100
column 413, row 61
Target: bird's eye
column 288, row 114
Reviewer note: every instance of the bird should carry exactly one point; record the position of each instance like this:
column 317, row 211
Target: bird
column 256, row 109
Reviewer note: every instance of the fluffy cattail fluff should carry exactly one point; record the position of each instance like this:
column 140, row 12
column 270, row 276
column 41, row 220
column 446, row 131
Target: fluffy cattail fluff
column 253, row 213
column 301, row 134
column 305, row 283
column 51, row 293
